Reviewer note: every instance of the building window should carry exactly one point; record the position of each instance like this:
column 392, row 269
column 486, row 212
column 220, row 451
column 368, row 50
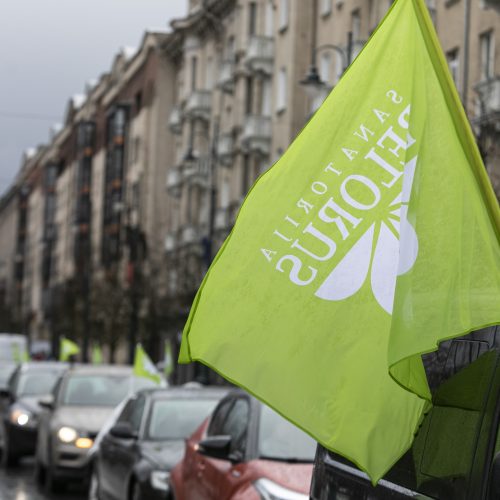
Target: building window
column 326, row 7
column 266, row 97
column 339, row 67
column 284, row 14
column 487, row 55
column 356, row 25
column 453, row 58
column 209, row 76
column 282, row 90
column 325, row 67
column 249, row 96
column 138, row 102
column 194, row 68
column 269, row 27
column 252, row 18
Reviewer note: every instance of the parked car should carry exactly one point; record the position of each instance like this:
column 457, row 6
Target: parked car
column 134, row 458
column 456, row 452
column 19, row 408
column 81, row 402
column 245, row 451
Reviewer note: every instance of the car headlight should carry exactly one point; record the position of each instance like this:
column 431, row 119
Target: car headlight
column 272, row 491
column 67, row 434
column 159, row 480
column 21, row 417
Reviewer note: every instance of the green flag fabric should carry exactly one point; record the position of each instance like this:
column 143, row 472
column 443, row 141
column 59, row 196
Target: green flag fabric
column 374, row 237
column 67, row 348
column 96, row 354
column 144, row 367
column 168, row 361
column 19, row 355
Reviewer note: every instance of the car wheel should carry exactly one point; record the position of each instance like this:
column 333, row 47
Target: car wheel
column 94, row 486
column 135, row 491
column 52, row 483
column 40, row 473
column 8, row 457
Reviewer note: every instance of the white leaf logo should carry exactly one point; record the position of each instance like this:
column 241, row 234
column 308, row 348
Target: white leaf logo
column 386, row 250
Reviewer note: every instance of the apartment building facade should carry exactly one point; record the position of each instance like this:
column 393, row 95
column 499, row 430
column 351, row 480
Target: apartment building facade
column 129, row 203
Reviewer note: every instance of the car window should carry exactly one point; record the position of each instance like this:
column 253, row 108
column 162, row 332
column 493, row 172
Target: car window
column 5, row 374
column 36, row 382
column 95, row 390
column 279, row 439
column 177, row 418
column 132, row 413
column 218, row 418
column 440, row 462
column 236, row 424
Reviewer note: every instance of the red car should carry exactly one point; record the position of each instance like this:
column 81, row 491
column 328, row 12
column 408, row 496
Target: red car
column 245, row 451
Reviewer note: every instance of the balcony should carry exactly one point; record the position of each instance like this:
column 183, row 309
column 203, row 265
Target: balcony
column 492, row 4
column 489, row 96
column 190, row 235
column 199, row 104
column 256, row 135
column 227, row 76
column 175, row 120
column 170, row 242
column 260, row 54
column 223, row 220
column 196, row 172
column 225, row 149
column 174, row 181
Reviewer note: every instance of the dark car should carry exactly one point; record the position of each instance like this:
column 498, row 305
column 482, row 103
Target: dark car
column 456, row 453
column 246, row 451
column 81, row 402
column 20, row 409
column 134, row 458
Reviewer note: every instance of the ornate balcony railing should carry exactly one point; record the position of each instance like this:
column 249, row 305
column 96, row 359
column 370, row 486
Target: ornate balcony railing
column 260, row 54
column 227, row 76
column 175, row 120
column 256, row 136
column 199, row 104
column 174, row 181
column 196, row 171
column 225, row 149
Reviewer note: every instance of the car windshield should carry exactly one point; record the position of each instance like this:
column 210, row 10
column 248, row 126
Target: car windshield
column 177, row 418
column 281, row 440
column 36, row 382
column 96, row 390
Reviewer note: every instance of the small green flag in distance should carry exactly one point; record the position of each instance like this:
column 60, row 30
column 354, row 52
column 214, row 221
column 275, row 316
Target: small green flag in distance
column 19, row 355
column 96, row 354
column 374, row 237
column 168, row 361
column 67, row 348
column 144, row 367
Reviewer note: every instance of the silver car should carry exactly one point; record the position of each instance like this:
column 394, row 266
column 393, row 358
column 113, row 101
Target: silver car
column 82, row 401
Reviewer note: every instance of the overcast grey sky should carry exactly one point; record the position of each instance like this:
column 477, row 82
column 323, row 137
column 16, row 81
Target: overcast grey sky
column 49, row 49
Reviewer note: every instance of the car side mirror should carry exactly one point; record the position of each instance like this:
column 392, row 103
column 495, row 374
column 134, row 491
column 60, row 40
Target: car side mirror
column 123, row 430
column 495, row 478
column 216, row 447
column 47, row 402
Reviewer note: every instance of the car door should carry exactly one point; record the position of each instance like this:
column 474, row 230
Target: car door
column 118, row 455
column 223, row 476
column 196, row 484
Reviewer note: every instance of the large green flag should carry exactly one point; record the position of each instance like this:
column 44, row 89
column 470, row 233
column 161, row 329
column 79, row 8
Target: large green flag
column 373, row 238
column 144, row 367
column 67, row 348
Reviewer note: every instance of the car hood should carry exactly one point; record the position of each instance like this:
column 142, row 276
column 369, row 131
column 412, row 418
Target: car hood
column 296, row 477
column 29, row 403
column 164, row 454
column 85, row 418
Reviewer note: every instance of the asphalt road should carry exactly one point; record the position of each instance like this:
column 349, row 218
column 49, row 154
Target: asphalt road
column 18, row 483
